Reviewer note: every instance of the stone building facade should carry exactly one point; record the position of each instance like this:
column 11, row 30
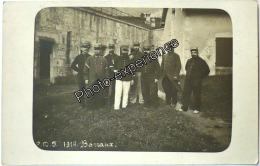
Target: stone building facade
column 59, row 32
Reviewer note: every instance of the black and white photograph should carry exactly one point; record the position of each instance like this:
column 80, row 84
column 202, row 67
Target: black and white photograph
column 141, row 82
column 176, row 96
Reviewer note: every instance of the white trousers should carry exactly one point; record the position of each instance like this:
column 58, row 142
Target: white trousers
column 122, row 87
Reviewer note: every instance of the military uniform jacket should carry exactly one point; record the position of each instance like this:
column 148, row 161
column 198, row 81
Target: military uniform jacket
column 197, row 67
column 79, row 63
column 171, row 66
column 153, row 68
column 120, row 64
column 96, row 67
column 111, row 63
column 137, row 55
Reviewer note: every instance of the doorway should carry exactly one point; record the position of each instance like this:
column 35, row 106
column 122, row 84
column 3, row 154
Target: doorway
column 46, row 48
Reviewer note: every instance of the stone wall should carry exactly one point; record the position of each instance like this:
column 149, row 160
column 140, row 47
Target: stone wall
column 55, row 24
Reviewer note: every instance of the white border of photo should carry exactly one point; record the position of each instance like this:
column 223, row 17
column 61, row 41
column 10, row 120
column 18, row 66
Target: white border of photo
column 18, row 147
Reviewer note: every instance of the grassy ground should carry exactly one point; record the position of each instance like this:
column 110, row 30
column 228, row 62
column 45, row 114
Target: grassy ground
column 59, row 125
column 216, row 97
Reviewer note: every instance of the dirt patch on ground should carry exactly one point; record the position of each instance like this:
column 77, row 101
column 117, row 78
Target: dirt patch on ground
column 214, row 127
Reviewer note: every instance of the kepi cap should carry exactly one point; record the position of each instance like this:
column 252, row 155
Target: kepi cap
column 111, row 45
column 97, row 46
column 125, row 48
column 136, row 44
column 103, row 46
column 85, row 44
column 194, row 49
column 147, row 47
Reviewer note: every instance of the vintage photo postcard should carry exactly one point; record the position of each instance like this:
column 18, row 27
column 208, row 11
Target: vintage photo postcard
column 112, row 82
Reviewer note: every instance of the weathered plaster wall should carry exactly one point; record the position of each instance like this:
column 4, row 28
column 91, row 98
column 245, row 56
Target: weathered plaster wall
column 201, row 31
column 197, row 29
column 157, row 39
column 54, row 24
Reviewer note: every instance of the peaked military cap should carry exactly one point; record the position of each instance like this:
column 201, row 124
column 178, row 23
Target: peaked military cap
column 194, row 49
column 125, row 48
column 136, row 44
column 97, row 46
column 103, row 46
column 111, row 46
column 86, row 44
column 147, row 47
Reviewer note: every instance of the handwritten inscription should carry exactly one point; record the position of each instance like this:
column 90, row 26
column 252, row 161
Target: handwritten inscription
column 45, row 144
column 74, row 144
column 85, row 144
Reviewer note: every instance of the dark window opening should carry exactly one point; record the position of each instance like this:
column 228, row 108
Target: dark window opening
column 224, row 52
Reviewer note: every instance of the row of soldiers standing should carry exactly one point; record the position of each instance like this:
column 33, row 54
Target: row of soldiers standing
column 142, row 86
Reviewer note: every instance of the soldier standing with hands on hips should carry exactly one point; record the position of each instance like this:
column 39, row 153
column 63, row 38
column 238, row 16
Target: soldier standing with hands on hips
column 78, row 66
column 96, row 68
column 170, row 68
column 196, row 69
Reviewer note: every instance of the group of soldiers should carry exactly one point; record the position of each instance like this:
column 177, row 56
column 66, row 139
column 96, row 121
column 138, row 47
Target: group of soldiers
column 141, row 87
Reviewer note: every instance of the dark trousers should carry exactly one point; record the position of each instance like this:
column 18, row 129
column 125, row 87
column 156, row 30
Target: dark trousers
column 113, row 91
column 97, row 100
column 192, row 84
column 109, row 93
column 81, row 84
column 170, row 91
column 149, row 90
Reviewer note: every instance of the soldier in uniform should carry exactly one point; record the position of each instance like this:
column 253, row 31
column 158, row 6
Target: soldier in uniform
column 136, row 90
column 78, row 66
column 149, row 78
column 171, row 66
column 96, row 67
column 111, row 57
column 196, row 69
column 122, row 85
